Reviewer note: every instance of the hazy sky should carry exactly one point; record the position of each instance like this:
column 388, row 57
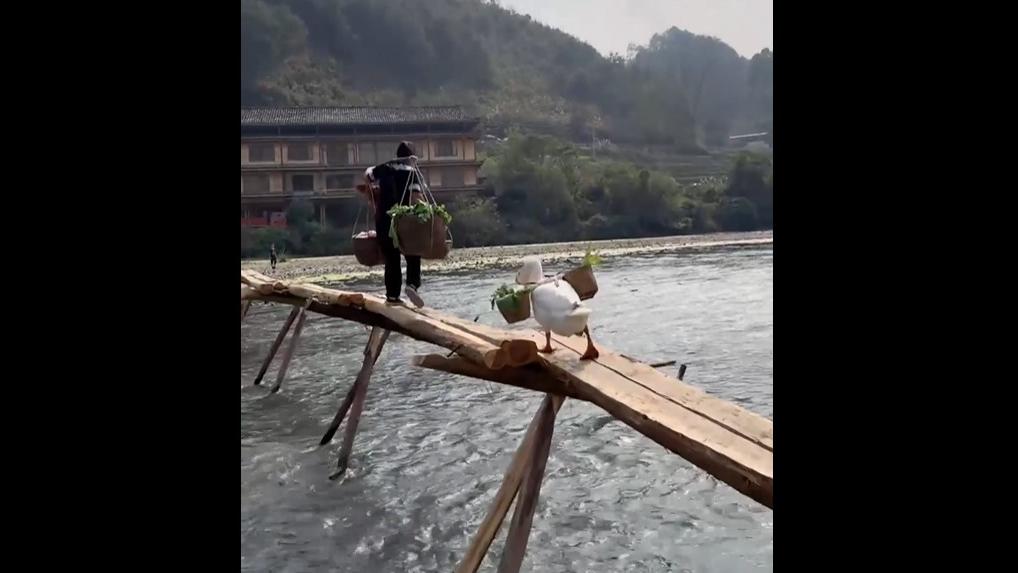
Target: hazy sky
column 611, row 25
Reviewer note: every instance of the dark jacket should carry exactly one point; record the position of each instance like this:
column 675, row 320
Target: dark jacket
column 394, row 177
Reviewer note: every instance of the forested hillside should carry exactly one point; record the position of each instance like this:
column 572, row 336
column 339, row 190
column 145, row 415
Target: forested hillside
column 680, row 90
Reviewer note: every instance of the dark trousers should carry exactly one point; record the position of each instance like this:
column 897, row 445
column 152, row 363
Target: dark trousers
column 393, row 272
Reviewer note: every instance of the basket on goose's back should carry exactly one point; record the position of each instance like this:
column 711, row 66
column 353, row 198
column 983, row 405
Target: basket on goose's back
column 512, row 302
column 420, row 226
column 582, row 278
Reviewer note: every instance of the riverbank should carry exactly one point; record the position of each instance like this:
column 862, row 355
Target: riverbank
column 343, row 268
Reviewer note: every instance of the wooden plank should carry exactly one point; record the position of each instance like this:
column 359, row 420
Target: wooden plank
column 741, row 463
column 275, row 345
column 750, row 425
column 523, row 517
column 406, row 320
column 247, row 293
column 753, row 426
column 375, row 342
column 506, row 492
column 288, row 354
column 530, row 376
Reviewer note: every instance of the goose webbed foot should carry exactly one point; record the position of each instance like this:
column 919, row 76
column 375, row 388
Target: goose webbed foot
column 591, row 353
column 547, row 344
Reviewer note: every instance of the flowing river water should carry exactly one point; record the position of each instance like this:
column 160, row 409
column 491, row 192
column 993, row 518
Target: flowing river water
column 432, row 447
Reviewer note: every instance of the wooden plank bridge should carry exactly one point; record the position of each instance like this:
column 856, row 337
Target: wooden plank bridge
column 731, row 443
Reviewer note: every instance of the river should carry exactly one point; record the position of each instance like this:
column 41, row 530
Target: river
column 432, row 447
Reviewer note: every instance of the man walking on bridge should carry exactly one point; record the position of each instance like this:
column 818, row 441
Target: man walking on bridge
column 393, row 177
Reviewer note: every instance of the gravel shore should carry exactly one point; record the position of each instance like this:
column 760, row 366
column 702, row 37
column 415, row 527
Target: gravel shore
column 342, row 268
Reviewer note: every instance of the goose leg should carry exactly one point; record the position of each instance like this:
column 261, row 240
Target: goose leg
column 591, row 352
column 547, row 343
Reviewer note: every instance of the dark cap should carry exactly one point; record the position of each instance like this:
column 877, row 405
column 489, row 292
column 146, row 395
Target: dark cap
column 405, row 149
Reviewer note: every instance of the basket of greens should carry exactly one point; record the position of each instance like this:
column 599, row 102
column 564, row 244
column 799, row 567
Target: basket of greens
column 420, row 229
column 513, row 302
column 582, row 277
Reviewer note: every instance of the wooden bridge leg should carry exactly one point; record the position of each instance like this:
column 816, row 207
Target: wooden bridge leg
column 507, row 491
column 360, row 392
column 288, row 354
column 275, row 345
column 340, row 414
column 523, row 516
column 373, row 353
column 244, row 306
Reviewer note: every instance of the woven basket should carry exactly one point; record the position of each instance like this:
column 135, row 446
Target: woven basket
column 583, row 282
column 425, row 239
column 514, row 312
column 367, row 250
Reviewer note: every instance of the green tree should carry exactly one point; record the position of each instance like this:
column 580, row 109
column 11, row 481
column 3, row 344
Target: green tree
column 476, row 222
column 738, row 214
column 269, row 33
column 751, row 179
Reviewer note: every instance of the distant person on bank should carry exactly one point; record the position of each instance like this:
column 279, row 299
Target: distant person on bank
column 392, row 178
column 272, row 257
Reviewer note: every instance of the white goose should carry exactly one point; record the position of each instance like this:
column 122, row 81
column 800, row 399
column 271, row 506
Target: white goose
column 557, row 307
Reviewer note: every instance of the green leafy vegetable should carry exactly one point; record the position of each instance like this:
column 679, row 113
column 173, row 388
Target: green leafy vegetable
column 422, row 210
column 591, row 259
column 511, row 292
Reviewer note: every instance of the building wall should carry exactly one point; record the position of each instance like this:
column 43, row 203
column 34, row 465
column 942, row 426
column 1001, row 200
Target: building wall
column 315, row 155
column 359, row 153
column 245, row 156
column 374, row 151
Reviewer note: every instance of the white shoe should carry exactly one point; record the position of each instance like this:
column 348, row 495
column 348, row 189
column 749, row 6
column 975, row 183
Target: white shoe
column 411, row 293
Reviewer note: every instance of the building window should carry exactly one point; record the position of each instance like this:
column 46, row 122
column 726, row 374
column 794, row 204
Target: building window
column 386, row 150
column 261, row 152
column 421, row 149
column 298, row 152
column 366, row 153
column 452, row 177
column 255, row 184
column 338, row 154
column 445, row 148
column 338, row 181
column 302, row 183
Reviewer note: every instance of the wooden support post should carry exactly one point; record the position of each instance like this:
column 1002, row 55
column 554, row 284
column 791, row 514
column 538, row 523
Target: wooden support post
column 360, row 391
column 244, row 306
column 507, row 491
column 288, row 354
column 341, row 413
column 682, row 372
column 523, row 516
column 275, row 345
